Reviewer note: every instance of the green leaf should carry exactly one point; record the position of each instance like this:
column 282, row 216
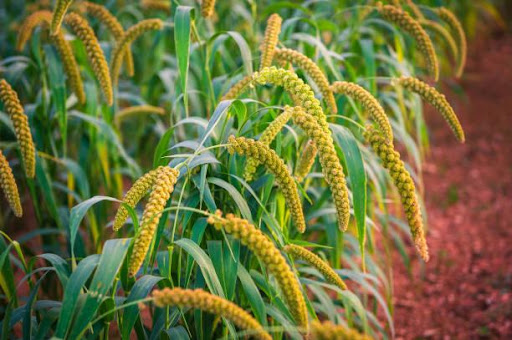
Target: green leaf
column 357, row 175
column 253, row 295
column 235, row 195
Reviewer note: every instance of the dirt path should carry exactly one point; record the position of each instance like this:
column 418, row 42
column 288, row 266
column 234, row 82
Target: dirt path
column 467, row 288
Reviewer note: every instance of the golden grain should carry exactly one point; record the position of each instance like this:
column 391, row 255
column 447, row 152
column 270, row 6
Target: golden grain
column 447, row 16
column 199, row 299
column 270, row 40
column 207, row 8
column 328, row 331
column 439, row 29
column 306, row 161
column 19, row 120
column 61, row 6
column 9, row 187
column 137, row 110
column 267, row 253
column 274, row 164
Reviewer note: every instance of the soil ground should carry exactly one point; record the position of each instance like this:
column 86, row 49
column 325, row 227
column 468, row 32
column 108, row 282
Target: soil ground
column 465, row 291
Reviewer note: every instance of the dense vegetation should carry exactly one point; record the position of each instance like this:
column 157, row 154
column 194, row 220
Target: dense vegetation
column 217, row 169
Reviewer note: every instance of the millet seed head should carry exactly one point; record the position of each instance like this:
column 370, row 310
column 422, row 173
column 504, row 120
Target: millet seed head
column 270, row 40
column 9, row 187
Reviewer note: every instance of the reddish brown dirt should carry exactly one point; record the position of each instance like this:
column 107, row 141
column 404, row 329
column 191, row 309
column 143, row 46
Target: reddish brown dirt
column 465, row 291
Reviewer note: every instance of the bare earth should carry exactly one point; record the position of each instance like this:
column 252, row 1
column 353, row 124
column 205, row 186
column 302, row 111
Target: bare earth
column 465, row 291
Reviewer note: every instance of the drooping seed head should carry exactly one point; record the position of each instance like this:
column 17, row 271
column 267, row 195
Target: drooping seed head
column 330, row 162
column 9, row 187
column 312, row 69
column 199, row 299
column 84, row 32
column 269, row 255
column 13, row 108
column 405, row 185
column 29, row 24
column 314, row 260
column 369, row 102
column 163, row 187
column 61, row 6
column 447, row 16
column 274, row 164
column 266, row 138
column 407, row 23
column 270, row 40
column 124, row 42
column 157, row 5
column 436, row 99
column 103, row 15
column 306, row 161
column 439, row 29
column 138, row 190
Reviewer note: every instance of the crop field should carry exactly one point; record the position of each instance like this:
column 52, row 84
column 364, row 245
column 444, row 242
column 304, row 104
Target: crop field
column 229, row 169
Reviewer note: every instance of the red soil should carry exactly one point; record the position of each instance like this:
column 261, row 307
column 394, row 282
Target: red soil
column 465, row 291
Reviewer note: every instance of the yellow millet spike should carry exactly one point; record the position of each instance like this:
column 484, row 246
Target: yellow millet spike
column 138, row 190
column 270, row 40
column 158, row 5
column 104, row 16
column 306, row 161
column 312, row 69
column 404, row 183
column 61, row 6
column 436, row 99
column 199, row 299
column 29, row 24
column 331, row 164
column 447, row 16
column 370, row 104
column 274, row 164
column 19, row 120
column 99, row 64
column 439, row 29
column 238, row 88
column 266, row 251
column 70, row 66
column 137, row 110
column 128, row 37
column 165, row 179
column 9, row 186
column 266, row 138
column 207, row 8
column 328, row 331
column 314, row 260
column 403, row 20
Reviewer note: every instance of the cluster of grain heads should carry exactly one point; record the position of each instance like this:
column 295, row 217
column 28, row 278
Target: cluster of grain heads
column 61, row 6
column 270, row 40
column 9, row 186
column 266, row 138
column 330, row 162
column 306, row 161
column 439, row 29
column 137, row 110
column 312, row 69
column 104, row 16
column 99, row 64
column 199, row 299
column 138, row 190
column 157, row 5
column 238, row 88
column 314, row 260
column 274, row 164
column 447, row 16
column 164, row 181
column 63, row 48
column 266, row 251
column 436, row 99
column 328, row 331
column 404, row 183
column 124, row 42
column 207, row 8
column 370, row 104
column 13, row 107
column 407, row 23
